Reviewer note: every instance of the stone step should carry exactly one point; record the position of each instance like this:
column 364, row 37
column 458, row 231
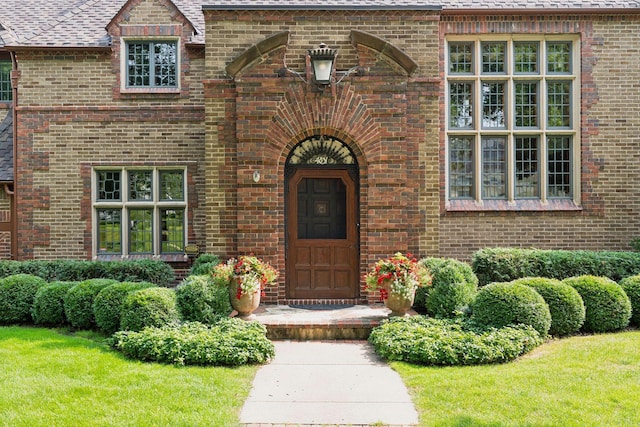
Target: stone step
column 311, row 323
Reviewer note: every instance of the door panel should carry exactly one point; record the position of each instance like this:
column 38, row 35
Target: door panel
column 322, row 258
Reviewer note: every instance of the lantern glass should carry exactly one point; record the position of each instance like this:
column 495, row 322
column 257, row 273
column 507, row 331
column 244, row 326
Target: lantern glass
column 322, row 70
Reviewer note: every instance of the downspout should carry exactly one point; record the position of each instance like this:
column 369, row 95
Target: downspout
column 14, row 200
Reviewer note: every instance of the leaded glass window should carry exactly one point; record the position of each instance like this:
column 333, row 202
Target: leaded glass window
column 140, row 211
column 152, row 64
column 6, row 93
column 511, row 126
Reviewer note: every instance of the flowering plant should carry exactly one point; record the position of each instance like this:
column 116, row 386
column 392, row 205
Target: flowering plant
column 403, row 273
column 251, row 273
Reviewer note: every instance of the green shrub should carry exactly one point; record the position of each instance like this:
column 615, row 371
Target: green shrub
column 78, row 302
column 502, row 304
column 453, row 287
column 631, row 286
column 200, row 300
column 154, row 271
column 507, row 264
column 229, row 341
column 565, row 304
column 107, row 305
column 204, row 263
column 607, row 306
column 418, row 339
column 17, row 293
column 48, row 305
column 150, row 307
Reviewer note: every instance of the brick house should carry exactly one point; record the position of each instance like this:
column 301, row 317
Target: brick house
column 141, row 128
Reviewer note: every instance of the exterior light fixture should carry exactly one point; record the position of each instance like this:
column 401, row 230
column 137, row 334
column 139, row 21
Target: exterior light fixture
column 322, row 59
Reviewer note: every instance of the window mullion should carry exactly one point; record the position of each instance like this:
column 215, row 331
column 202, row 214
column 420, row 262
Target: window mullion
column 544, row 167
column 126, row 222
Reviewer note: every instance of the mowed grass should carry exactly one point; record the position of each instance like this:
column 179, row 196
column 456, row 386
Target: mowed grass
column 49, row 378
column 578, row 381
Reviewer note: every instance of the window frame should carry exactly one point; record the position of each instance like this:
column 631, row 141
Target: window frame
column 125, row 205
column 510, row 131
column 125, row 87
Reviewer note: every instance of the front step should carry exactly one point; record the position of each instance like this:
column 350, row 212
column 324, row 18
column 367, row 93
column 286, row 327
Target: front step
column 284, row 322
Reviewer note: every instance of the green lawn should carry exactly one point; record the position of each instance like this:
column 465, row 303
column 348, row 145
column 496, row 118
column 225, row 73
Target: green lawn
column 577, row 381
column 49, row 379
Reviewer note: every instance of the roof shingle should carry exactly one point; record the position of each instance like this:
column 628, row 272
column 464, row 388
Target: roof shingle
column 6, row 146
column 81, row 23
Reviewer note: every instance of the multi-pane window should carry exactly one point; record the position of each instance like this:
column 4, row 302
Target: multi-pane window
column 511, row 119
column 140, row 211
column 5, row 80
column 152, row 64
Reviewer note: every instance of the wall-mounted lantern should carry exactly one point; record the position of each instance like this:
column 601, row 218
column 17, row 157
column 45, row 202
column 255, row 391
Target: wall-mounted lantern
column 322, row 59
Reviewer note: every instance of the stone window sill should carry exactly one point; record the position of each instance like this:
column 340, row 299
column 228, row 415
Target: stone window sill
column 563, row 205
column 165, row 257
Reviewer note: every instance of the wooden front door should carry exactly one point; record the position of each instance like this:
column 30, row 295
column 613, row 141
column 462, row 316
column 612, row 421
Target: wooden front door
column 322, row 235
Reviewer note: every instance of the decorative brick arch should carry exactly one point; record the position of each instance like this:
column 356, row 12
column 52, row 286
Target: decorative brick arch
column 302, row 114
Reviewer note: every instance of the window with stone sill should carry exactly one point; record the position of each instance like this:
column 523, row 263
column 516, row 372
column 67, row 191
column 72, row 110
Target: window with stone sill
column 139, row 211
column 6, row 93
column 512, row 120
column 151, row 64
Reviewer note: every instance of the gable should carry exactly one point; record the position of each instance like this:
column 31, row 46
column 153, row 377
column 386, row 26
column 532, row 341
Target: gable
column 141, row 13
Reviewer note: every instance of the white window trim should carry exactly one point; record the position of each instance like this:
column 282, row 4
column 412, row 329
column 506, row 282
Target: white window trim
column 124, row 204
column 510, row 131
column 124, row 73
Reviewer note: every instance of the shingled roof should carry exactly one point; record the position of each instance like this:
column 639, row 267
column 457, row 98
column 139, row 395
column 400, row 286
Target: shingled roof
column 6, row 146
column 81, row 23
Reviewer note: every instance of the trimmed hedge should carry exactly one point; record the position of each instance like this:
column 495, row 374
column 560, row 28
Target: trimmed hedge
column 204, row 264
column 107, row 305
column 452, row 289
column 565, row 304
column 78, row 302
column 229, row 341
column 607, row 306
column 146, row 270
column 48, row 305
column 150, row 307
column 631, row 286
column 17, row 293
column 418, row 339
column 507, row 264
column 502, row 304
column 200, row 300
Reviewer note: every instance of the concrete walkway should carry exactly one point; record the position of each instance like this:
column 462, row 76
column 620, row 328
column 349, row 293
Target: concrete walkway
column 327, row 383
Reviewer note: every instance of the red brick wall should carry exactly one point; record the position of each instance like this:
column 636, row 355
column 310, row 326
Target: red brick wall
column 256, row 120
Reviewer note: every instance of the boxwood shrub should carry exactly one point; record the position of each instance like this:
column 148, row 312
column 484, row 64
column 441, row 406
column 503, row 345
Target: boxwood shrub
column 507, row 264
column 565, row 304
column 107, row 305
column 418, row 339
column 502, row 304
column 153, row 307
column 607, row 306
column 78, row 302
column 631, row 286
column 17, row 293
column 48, row 305
column 204, row 263
column 201, row 300
column 229, row 341
column 453, row 287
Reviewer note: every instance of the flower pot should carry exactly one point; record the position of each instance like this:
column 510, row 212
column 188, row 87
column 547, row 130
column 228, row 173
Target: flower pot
column 397, row 303
column 246, row 304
